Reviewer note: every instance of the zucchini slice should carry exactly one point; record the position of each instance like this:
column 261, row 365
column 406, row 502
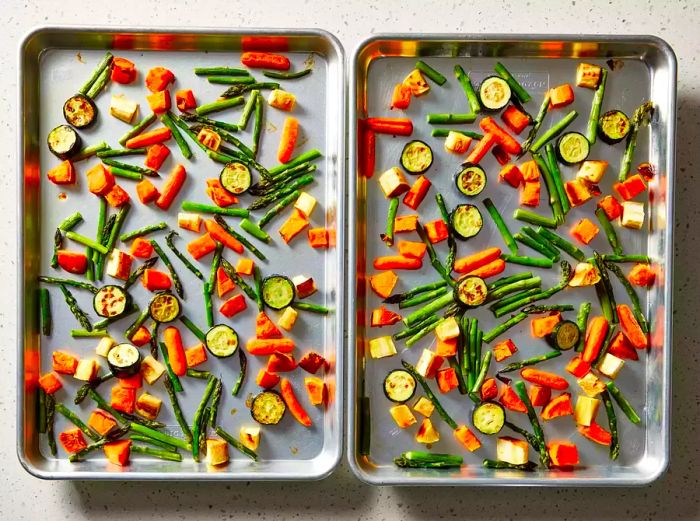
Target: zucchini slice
column 63, row 141
column 471, row 179
column 573, row 148
column 564, row 336
column 489, row 418
column 613, row 126
column 494, row 93
column 221, row 341
column 80, row 111
column 124, row 360
column 399, row 386
column 164, row 307
column 466, row 221
column 471, row 291
column 416, row 157
column 110, row 301
column 277, row 291
column 268, row 408
column 236, row 178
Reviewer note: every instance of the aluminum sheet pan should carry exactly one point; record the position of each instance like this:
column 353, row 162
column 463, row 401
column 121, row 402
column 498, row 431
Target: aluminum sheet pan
column 646, row 69
column 54, row 63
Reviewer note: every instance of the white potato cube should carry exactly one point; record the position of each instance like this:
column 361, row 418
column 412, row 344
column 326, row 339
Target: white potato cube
column 217, row 451
column 288, row 318
column 123, row 108
column 457, row 143
column 151, row 369
column 632, row 215
column 448, row 329
column 105, row 344
column 189, row 221
column 592, row 171
column 610, row 365
column 119, row 264
column 282, row 100
column 512, row 450
column 304, row 285
column 250, row 437
column 382, row 347
column 586, row 410
column 305, row 203
column 87, row 370
column 393, row 182
column 428, row 364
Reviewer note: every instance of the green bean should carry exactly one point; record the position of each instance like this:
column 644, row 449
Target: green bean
column 277, row 75
column 220, row 71
column 312, row 308
column 230, row 80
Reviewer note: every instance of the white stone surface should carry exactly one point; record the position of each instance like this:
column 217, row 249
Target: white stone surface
column 342, row 497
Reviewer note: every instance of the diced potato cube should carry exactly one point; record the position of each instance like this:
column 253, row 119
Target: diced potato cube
column 512, row 450
column 585, row 274
column 610, row 365
column 591, row 384
column 282, row 100
column 87, row 370
column 417, row 83
column 428, row 364
column 105, row 344
column 189, row 221
column 305, row 203
column 586, row 410
column 457, row 143
column 588, row 75
column 148, row 406
column 151, row 369
column 393, row 182
column 632, row 215
column 119, row 264
column 424, row 407
column 288, row 318
column 381, row 347
column 304, row 285
column 592, row 171
column 123, row 108
column 427, row 433
column 402, row 416
column 250, row 437
column 447, row 329
column 217, row 451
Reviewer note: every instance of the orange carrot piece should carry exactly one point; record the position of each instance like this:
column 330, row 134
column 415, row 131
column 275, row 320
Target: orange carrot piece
column 642, row 275
column 159, row 102
column 481, row 148
column 267, row 346
column 265, row 60
column 293, row 404
column 489, row 389
column 505, row 140
column 397, row 262
column 631, row 328
column 514, row 119
column 195, row 355
column 393, row 126
column 218, row 233
column 595, row 336
column 146, row 191
column 219, row 195
column 149, row 138
column 288, row 140
column 544, row 378
column 383, row 283
column 100, row 180
column 491, row 269
column 585, row 231
column 318, row 237
column 64, row 363
column 405, row 224
column 156, row 155
column 414, row 197
column 158, row 78
column 477, row 260
column 412, row 249
column 542, row 326
column 141, row 248
column 176, row 351
column 117, row 197
column 201, row 246
column 293, row 226
column 171, row 187
column 63, row 174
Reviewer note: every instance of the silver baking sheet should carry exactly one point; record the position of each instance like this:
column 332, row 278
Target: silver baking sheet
column 54, row 63
column 645, row 69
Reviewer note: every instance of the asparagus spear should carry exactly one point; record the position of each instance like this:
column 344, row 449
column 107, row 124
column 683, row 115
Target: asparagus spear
column 435, row 306
column 50, row 416
column 469, row 92
column 239, row 90
column 78, row 313
column 531, row 439
column 451, row 243
column 519, row 388
column 177, row 411
column 501, row 225
column 160, row 436
column 592, row 127
column 121, row 152
column 220, row 71
column 248, row 109
column 278, row 75
column 610, row 233
column 194, row 118
column 604, row 291
column 89, row 151
column 266, row 187
column 556, row 177
column 427, row 460
column 434, row 261
column 528, row 261
column 277, row 195
column 152, row 441
column 126, row 166
column 138, row 128
column 388, row 237
column 249, row 245
column 100, row 83
column 103, row 65
column 582, row 322
column 236, row 444
column 216, row 106
column 193, row 328
column 198, row 415
column 430, row 72
column 538, row 247
column 612, row 422
column 202, row 375
column 312, row 308
column 422, row 297
column 410, row 331
column 514, row 85
column 423, row 332
column 429, row 393
column 145, row 230
column 536, row 125
column 173, row 379
column 277, row 209
column 515, row 297
column 258, row 123
column 565, row 277
column 554, row 201
column 243, row 360
column 237, row 279
column 215, row 400
column 516, row 366
column 169, row 240
column 509, row 279
column 501, row 465
column 533, row 218
column 562, row 244
column 540, row 239
column 634, row 298
column 257, row 277
column 78, row 456
column 73, row 418
column 400, row 297
column 84, row 389
column 554, row 131
column 173, row 274
column 147, row 264
column 622, row 402
column 45, row 305
column 451, row 119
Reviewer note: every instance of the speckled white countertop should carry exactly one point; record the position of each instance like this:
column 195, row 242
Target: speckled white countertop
column 341, row 496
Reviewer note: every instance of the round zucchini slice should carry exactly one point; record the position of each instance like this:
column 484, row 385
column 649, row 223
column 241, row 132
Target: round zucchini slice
column 494, row 93
column 277, row 291
column 416, row 157
column 489, row 418
column 573, row 148
column 613, row 127
column 164, row 307
column 63, row 142
column 471, row 291
column 221, row 341
column 80, row 111
column 471, row 179
column 110, row 301
column 236, row 178
column 124, row 360
column 268, row 408
column 466, row 221
column 564, row 336
column 399, row 386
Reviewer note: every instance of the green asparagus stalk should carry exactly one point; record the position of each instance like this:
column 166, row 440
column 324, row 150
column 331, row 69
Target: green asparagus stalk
column 428, row 310
column 554, row 201
column 156, row 453
column 57, row 245
column 189, row 206
column 219, row 105
column 531, row 439
column 516, row 366
column 278, row 208
column 278, row 75
column 140, row 232
column 84, row 389
column 220, row 71
column 423, row 332
column 610, row 233
column 160, row 436
column 198, row 415
column 78, row 456
column 41, row 411
column 173, row 379
column 248, row 109
column 427, row 460
column 173, row 274
column 429, row 393
column 612, row 423
column 50, row 423
column 519, row 388
column 469, row 92
column 538, row 247
column 431, row 73
column 434, row 261
column 45, row 305
column 509, row 279
column 605, row 292
column 514, row 85
column 624, row 258
column 89, row 151
column 249, row 245
column 254, row 230
column 554, row 131
column 194, row 118
column 483, row 371
column 82, row 333
column 230, row 80
column 258, row 123
column 152, row 441
column 410, row 331
column 562, row 244
column 542, row 241
column 504, row 465
column 74, row 307
column 266, row 187
column 634, row 298
column 236, row 444
column 100, row 83
column 136, row 324
column 193, row 328
column 177, row 411
column 170, row 241
column 215, row 400
column 622, row 402
column 138, row 128
column 202, row 375
column 239, row 90
column 582, row 322
column 501, row 225
column 516, row 297
column 451, row 119
column 311, row 308
column 208, row 305
column 388, row 237
column 126, row 166
column 592, row 127
column 103, row 65
column 556, row 177
column 505, row 326
column 147, row 264
column 527, row 144
column 422, row 297
column 73, row 418
column 640, row 118
column 533, row 218
column 257, row 277
column 243, row 360
column 121, row 152
column 566, row 273
column 236, row 278
column 400, row 297
column 277, row 195
column 528, row 261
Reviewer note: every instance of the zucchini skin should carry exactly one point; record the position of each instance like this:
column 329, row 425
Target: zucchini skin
column 281, row 408
column 455, row 213
column 461, row 282
column 464, row 169
column 487, row 105
column 206, row 342
column 607, row 138
column 478, row 423
column 271, row 278
column 68, row 153
column 553, row 337
column 407, row 166
column 388, row 394
column 565, row 160
column 125, row 371
column 71, row 120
